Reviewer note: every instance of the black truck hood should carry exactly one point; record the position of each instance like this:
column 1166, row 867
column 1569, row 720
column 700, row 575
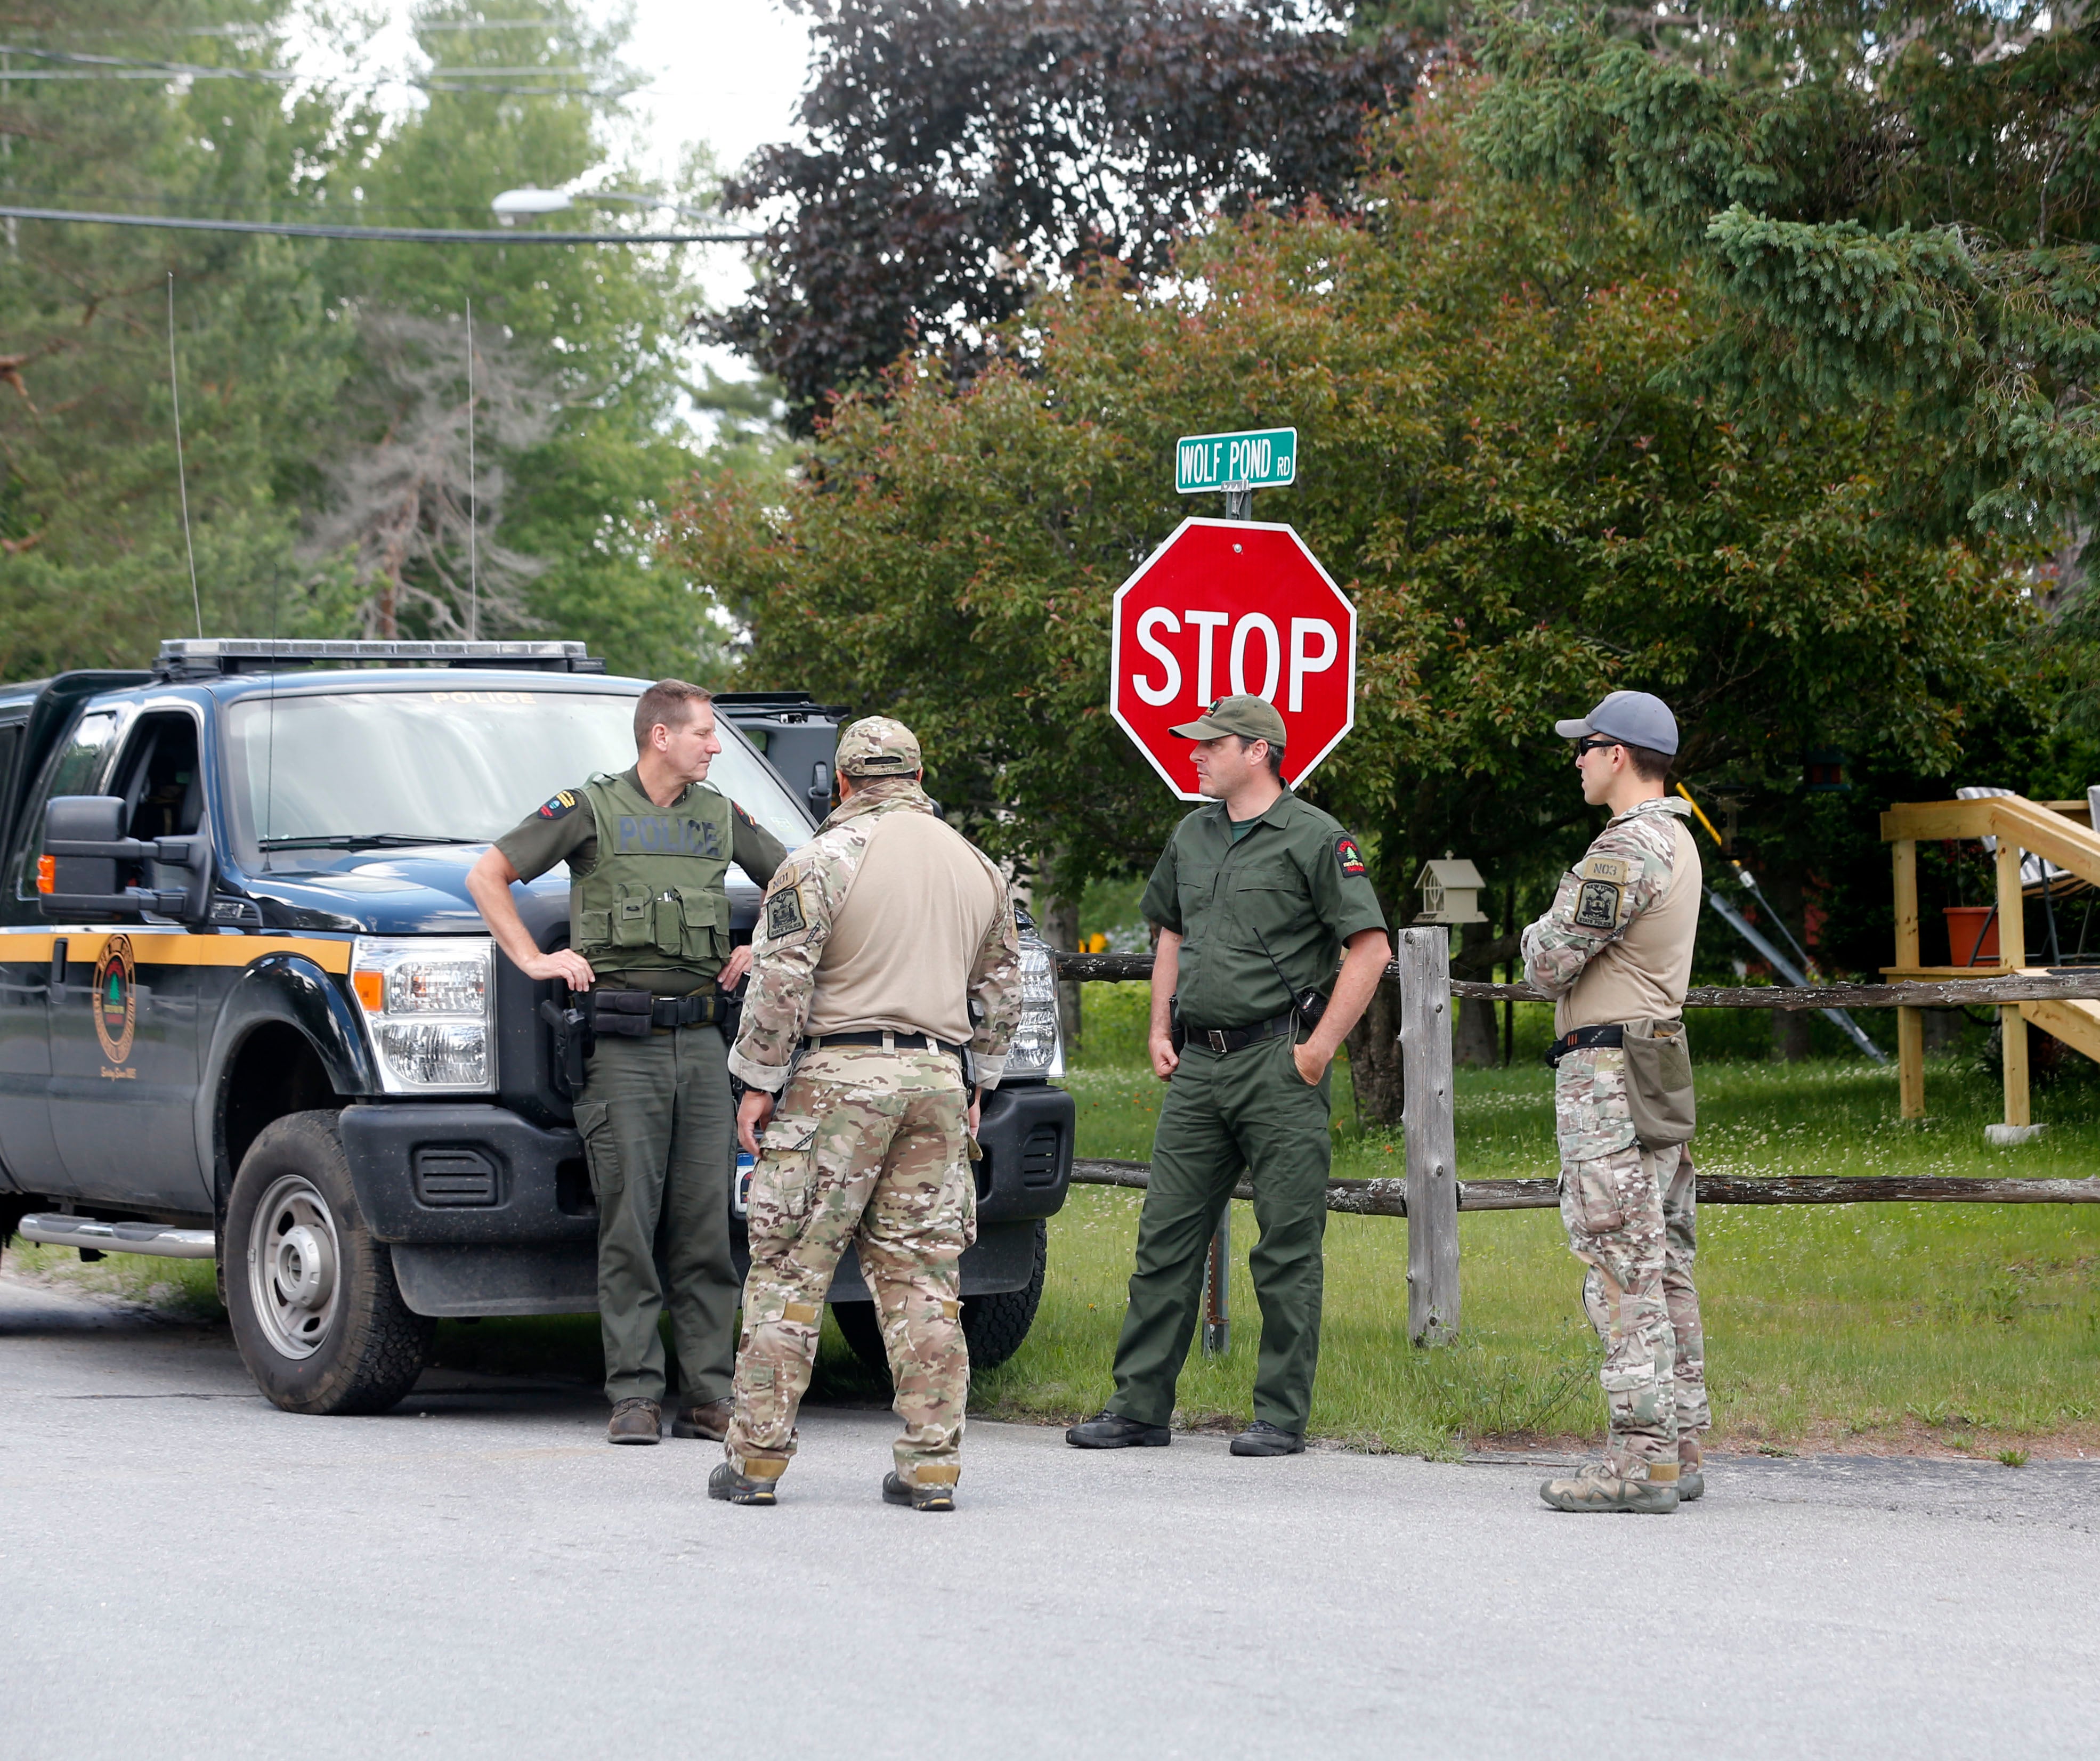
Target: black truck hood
column 418, row 891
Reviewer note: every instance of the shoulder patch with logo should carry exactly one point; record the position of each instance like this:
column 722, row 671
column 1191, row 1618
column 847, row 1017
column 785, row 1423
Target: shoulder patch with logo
column 741, row 814
column 783, row 915
column 1347, row 854
column 559, row 805
column 1601, row 891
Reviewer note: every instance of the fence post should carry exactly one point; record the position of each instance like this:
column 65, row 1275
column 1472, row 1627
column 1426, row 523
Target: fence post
column 1430, row 1136
column 2012, row 955
column 1910, row 1022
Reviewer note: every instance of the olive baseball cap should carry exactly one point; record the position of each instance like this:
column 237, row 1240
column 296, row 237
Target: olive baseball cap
column 1631, row 717
column 877, row 746
column 1245, row 715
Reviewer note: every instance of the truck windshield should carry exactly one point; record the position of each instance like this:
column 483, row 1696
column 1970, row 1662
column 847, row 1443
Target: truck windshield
column 367, row 769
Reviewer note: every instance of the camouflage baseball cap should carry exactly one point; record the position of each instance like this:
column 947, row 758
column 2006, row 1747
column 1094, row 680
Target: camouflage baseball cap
column 1245, row 715
column 877, row 746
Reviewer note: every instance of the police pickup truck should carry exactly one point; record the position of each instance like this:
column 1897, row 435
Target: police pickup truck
column 248, row 1011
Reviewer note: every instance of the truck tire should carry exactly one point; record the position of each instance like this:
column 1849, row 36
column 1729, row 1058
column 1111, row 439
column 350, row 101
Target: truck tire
column 995, row 1324
column 316, row 1313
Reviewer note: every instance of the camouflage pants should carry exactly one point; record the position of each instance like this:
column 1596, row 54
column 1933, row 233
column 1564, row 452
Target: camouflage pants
column 1632, row 1217
column 866, row 1146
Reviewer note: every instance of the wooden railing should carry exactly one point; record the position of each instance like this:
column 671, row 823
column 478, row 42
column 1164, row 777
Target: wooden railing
column 1430, row 1195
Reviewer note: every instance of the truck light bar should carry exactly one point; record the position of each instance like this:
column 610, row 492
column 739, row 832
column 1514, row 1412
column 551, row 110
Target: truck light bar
column 216, row 656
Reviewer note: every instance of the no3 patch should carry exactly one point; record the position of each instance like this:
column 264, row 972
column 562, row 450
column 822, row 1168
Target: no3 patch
column 1597, row 905
column 1347, row 854
column 563, row 803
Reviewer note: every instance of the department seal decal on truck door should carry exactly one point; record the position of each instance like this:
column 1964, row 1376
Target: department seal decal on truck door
column 115, row 1002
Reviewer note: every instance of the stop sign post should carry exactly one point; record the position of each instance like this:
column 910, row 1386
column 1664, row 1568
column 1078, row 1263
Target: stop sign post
column 1226, row 607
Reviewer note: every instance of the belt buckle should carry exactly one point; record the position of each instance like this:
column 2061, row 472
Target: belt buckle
column 1214, row 1038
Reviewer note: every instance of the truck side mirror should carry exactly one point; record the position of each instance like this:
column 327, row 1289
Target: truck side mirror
column 72, row 819
column 820, row 788
column 83, row 844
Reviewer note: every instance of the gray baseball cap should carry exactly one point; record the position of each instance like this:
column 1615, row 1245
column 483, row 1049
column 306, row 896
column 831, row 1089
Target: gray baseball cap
column 1632, row 716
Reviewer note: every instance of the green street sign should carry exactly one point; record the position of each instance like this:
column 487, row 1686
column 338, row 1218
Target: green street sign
column 1262, row 458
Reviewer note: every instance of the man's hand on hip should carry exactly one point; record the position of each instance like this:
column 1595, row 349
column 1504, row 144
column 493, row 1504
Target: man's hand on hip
column 564, row 963
column 752, row 1111
column 733, row 968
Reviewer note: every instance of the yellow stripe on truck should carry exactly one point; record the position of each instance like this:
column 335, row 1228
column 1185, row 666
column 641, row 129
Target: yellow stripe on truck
column 151, row 945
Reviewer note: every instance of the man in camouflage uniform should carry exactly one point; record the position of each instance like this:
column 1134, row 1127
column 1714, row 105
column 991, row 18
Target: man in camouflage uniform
column 885, row 946
column 1616, row 950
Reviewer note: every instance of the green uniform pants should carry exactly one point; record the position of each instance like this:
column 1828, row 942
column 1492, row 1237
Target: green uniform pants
column 1228, row 1111
column 659, row 1130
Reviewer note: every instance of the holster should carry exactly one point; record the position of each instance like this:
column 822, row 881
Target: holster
column 570, row 1031
column 1658, row 1083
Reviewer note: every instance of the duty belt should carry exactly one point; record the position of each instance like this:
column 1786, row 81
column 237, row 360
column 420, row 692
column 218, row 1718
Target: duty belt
column 879, row 1036
column 635, row 1013
column 1582, row 1039
column 1233, row 1038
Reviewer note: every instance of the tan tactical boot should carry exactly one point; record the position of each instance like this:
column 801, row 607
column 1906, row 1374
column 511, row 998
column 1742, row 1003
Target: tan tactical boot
column 1601, row 1487
column 708, row 1424
column 636, row 1420
column 758, row 1482
column 1690, row 1478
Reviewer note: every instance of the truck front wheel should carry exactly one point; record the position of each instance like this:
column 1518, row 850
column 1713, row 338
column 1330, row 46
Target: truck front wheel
column 995, row 1324
column 315, row 1310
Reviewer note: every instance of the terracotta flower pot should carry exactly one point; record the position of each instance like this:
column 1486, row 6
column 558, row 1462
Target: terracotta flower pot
column 1972, row 935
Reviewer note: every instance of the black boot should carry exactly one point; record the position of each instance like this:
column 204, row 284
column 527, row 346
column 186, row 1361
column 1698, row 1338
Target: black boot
column 1263, row 1438
column 1111, row 1430
column 897, row 1489
column 727, row 1484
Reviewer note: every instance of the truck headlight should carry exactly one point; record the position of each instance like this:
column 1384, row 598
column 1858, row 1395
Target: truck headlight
column 429, row 1003
column 1038, row 1050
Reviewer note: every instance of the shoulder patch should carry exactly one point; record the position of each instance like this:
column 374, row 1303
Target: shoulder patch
column 1597, row 903
column 741, row 814
column 1612, row 868
column 559, row 805
column 784, row 913
column 1347, row 854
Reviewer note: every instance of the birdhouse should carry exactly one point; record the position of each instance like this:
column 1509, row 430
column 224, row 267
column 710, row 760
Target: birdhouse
column 1450, row 892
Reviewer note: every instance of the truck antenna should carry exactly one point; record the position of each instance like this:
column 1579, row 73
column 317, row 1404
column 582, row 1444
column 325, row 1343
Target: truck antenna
column 473, row 556
column 182, row 482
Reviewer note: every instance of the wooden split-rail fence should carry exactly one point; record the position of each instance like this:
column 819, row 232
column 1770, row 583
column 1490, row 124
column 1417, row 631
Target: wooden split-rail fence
column 1430, row 1195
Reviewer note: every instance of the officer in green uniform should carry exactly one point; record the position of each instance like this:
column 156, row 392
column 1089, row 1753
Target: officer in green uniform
column 1255, row 898
column 649, row 937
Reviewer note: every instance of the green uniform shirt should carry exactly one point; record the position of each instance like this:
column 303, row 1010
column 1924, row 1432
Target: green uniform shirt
column 1291, row 877
column 566, row 830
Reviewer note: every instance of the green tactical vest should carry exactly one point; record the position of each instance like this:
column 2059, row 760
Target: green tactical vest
column 655, row 899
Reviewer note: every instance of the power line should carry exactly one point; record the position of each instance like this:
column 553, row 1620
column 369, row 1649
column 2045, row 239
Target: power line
column 382, row 235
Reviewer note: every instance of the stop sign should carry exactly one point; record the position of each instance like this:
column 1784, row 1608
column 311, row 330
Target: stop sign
column 1225, row 607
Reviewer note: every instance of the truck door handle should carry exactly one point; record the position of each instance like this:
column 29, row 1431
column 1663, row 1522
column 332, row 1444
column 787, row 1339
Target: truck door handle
column 58, row 963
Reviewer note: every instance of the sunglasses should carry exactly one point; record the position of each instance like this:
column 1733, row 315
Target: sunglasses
column 1582, row 746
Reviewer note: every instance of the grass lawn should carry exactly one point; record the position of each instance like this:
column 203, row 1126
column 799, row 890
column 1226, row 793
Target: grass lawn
column 1970, row 1328
column 1965, row 1328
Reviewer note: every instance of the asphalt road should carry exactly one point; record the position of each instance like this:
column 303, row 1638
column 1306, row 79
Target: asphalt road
column 185, row 1570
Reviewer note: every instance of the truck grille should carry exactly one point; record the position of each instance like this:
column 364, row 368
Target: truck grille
column 454, row 1174
column 1038, row 1157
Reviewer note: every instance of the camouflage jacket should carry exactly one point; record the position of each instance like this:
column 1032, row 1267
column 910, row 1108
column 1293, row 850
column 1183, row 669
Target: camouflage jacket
column 795, row 923
column 1623, row 876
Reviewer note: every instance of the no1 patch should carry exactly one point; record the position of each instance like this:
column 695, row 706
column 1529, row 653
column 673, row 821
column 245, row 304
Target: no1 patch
column 783, row 915
column 1347, row 854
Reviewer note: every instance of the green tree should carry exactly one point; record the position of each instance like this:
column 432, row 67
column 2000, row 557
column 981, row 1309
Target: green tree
column 93, row 561
column 1524, row 516
column 297, row 399
column 1896, row 200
